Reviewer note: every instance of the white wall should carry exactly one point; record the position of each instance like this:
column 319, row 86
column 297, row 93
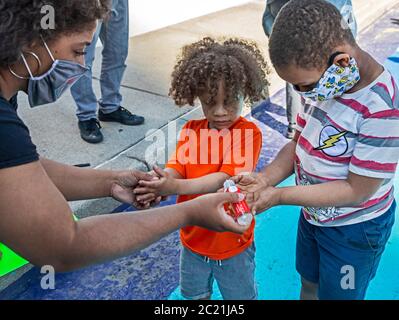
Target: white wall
column 149, row 15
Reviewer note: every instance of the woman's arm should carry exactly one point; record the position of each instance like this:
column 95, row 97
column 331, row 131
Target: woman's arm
column 81, row 184
column 37, row 222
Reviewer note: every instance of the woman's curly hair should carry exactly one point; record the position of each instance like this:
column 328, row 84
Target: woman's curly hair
column 203, row 64
column 21, row 22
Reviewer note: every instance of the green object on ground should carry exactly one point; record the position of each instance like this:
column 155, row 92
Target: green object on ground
column 9, row 261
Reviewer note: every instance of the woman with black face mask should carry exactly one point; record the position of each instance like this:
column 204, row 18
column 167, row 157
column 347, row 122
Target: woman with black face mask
column 35, row 219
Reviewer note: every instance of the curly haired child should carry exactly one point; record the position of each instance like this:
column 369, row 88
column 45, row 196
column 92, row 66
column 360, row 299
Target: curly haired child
column 223, row 76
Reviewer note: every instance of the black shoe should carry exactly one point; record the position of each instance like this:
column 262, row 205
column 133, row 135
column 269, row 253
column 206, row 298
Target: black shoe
column 122, row 116
column 90, row 131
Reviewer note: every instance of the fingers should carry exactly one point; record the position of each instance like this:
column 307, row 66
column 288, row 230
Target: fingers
column 209, row 213
column 147, row 201
column 154, row 184
column 247, row 183
column 231, row 197
column 149, row 197
column 139, row 175
column 245, row 188
column 230, row 224
column 150, row 203
column 250, row 187
column 141, row 205
column 236, row 179
column 227, row 222
column 148, row 186
column 156, row 202
column 153, row 173
column 260, row 204
column 143, row 190
column 159, row 171
column 250, row 198
column 228, row 197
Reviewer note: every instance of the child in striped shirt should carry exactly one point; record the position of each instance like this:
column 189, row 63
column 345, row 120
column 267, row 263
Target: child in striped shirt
column 344, row 153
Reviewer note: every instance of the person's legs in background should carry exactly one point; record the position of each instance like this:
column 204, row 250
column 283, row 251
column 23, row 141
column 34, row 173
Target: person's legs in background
column 346, row 9
column 293, row 101
column 293, row 107
column 85, row 98
column 268, row 20
column 115, row 37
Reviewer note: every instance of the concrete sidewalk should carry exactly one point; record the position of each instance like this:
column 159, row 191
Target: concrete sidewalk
column 145, row 88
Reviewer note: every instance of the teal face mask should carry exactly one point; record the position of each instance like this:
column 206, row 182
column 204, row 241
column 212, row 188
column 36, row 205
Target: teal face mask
column 335, row 81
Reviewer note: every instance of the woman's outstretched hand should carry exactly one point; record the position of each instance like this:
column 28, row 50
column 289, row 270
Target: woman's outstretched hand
column 208, row 212
column 124, row 185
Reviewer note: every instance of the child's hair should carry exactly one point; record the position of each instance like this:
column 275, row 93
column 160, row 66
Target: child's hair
column 305, row 34
column 203, row 64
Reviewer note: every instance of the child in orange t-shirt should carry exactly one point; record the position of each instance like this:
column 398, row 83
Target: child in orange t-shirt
column 209, row 151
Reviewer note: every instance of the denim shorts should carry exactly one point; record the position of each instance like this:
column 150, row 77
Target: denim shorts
column 235, row 276
column 342, row 260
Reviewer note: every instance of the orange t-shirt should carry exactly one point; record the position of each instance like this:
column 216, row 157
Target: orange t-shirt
column 201, row 151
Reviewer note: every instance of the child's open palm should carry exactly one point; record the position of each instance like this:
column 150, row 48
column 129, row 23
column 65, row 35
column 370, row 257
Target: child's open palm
column 165, row 185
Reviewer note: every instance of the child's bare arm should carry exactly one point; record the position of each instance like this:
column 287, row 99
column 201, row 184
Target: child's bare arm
column 353, row 191
column 277, row 171
column 206, row 184
column 170, row 184
column 173, row 173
